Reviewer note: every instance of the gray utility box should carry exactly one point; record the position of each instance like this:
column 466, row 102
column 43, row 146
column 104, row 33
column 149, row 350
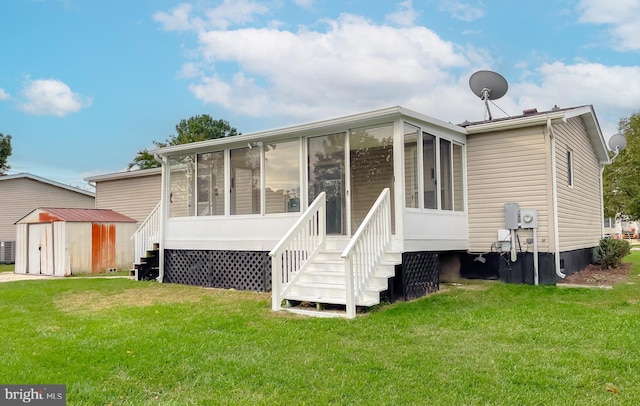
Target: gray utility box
column 528, row 218
column 511, row 211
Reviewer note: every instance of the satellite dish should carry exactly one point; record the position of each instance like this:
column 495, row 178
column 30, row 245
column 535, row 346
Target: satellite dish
column 617, row 142
column 488, row 85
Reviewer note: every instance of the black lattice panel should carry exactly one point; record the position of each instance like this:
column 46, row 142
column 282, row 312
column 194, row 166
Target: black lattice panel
column 186, row 267
column 421, row 275
column 242, row 270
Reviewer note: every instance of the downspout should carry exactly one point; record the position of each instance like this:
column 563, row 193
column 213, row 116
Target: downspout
column 554, row 194
column 602, row 200
column 163, row 216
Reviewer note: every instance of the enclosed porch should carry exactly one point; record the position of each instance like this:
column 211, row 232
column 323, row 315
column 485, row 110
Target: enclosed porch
column 313, row 206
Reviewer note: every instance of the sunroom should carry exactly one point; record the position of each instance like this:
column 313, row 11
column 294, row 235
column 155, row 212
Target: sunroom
column 314, row 211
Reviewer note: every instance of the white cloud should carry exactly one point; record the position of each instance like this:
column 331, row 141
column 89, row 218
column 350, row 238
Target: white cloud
column 4, row 95
column 405, row 16
column 304, row 3
column 228, row 13
column 354, row 64
column 462, row 11
column 177, row 20
column 622, row 17
column 611, row 89
column 51, row 97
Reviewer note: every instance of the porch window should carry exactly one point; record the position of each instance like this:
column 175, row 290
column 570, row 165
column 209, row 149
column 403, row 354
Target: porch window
column 211, row 184
column 245, row 180
column 436, row 168
column 181, row 181
column 411, row 182
column 371, row 156
column 282, row 177
column 458, row 187
column 429, row 171
column 446, row 181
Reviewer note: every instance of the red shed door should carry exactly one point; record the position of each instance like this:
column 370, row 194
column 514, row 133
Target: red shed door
column 103, row 247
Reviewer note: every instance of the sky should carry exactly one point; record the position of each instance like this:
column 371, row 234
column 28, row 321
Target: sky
column 86, row 84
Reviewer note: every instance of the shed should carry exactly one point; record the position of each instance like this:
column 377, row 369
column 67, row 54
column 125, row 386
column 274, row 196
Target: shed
column 63, row 241
column 23, row 192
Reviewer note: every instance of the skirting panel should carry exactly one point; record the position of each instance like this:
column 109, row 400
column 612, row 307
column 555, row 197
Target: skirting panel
column 418, row 275
column 241, row 270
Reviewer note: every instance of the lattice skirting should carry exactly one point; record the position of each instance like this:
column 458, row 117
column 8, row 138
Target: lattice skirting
column 241, row 270
column 420, row 274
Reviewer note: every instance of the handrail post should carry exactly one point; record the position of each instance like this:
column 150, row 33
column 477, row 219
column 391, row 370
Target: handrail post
column 351, row 300
column 276, row 282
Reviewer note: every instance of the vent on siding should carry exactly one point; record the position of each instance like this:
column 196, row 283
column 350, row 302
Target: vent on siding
column 7, row 252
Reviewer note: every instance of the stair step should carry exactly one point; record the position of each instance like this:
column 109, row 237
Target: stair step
column 368, row 302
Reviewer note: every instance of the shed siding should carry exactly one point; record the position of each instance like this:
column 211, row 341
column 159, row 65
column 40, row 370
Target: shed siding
column 20, row 196
column 134, row 197
column 579, row 210
column 502, row 167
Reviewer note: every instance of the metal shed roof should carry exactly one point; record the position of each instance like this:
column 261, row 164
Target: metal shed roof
column 81, row 215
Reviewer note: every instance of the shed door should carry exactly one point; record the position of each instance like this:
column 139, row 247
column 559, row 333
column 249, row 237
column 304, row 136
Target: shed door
column 40, row 249
column 103, row 247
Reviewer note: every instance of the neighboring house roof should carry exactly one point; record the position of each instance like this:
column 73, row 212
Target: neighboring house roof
column 46, row 181
column 556, row 115
column 79, row 215
column 124, row 175
column 330, row 125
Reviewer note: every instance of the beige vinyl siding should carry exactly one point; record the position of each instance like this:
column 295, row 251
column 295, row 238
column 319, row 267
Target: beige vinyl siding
column 20, row 196
column 579, row 211
column 502, row 167
column 134, row 196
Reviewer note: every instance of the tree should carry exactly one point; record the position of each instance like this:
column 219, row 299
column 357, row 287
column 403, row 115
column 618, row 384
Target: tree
column 621, row 179
column 5, row 152
column 196, row 128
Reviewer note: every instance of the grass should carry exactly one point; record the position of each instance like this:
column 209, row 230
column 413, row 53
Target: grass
column 6, row 267
column 121, row 342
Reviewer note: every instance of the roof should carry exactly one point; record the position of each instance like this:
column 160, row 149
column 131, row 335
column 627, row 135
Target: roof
column 554, row 116
column 82, row 215
column 25, row 175
column 328, row 126
column 124, row 175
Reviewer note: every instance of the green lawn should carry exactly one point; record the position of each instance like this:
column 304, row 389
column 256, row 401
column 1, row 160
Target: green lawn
column 6, row 267
column 121, row 342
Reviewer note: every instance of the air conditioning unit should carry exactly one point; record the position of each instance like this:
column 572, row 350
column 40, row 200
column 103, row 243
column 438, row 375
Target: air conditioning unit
column 7, row 252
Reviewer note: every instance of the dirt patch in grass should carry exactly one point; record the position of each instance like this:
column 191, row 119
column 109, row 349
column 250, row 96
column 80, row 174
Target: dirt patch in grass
column 596, row 275
column 93, row 300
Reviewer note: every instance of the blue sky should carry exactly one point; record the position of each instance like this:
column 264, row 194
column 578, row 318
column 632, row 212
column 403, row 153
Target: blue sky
column 85, row 84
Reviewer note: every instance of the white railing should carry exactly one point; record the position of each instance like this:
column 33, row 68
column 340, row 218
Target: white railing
column 366, row 250
column 147, row 234
column 295, row 250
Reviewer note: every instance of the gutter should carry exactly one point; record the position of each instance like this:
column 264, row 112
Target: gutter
column 163, row 215
column 554, row 194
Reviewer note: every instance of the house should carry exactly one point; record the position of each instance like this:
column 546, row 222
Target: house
column 23, row 192
column 376, row 205
column 63, row 241
column 115, row 191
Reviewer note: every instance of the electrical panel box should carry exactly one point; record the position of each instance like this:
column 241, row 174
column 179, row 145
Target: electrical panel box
column 504, row 241
column 511, row 211
column 528, row 218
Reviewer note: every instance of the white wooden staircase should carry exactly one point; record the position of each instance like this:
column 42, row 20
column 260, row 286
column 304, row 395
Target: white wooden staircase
column 323, row 281
column 305, row 268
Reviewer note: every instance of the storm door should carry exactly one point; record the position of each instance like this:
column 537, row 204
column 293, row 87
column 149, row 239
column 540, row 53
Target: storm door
column 326, row 163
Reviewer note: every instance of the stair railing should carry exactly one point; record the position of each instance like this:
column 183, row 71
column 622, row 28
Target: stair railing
column 295, row 250
column 366, row 250
column 147, row 234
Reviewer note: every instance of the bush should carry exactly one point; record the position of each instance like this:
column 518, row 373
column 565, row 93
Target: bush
column 612, row 251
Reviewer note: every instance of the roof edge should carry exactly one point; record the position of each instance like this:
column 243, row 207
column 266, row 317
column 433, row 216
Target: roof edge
column 123, row 175
column 25, row 175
